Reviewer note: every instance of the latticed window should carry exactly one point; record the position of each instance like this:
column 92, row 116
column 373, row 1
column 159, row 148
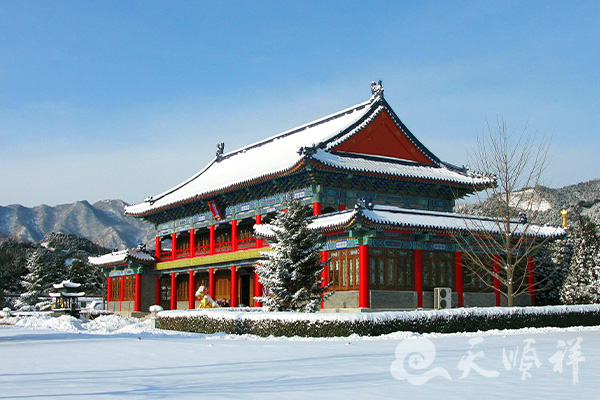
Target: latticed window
column 438, row 269
column 115, row 288
column 182, row 288
column 473, row 283
column 223, row 237
column 202, row 239
column 245, row 232
column 222, row 287
column 183, row 242
column 484, row 282
column 391, row 269
column 165, row 288
column 343, row 269
column 129, row 289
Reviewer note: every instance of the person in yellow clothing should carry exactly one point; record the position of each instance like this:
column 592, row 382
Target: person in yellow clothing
column 205, row 300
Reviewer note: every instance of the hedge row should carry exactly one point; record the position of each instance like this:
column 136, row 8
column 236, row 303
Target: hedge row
column 415, row 321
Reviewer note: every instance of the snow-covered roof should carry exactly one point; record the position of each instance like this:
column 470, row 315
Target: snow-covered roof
column 66, row 284
column 66, row 294
column 402, row 169
column 395, row 217
column 401, row 217
column 287, row 151
column 118, row 257
column 268, row 157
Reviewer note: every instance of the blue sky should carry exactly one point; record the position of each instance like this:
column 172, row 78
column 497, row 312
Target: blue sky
column 124, row 100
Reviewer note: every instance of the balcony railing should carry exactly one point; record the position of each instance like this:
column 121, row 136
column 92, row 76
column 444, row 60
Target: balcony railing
column 166, row 255
column 182, row 253
column 248, row 243
column 202, row 250
column 221, row 247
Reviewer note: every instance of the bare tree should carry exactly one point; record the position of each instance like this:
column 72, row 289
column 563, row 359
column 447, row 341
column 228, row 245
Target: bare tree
column 503, row 242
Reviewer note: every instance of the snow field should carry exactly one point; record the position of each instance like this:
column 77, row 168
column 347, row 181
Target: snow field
column 119, row 358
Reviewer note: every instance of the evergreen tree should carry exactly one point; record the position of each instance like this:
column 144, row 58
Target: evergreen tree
column 90, row 277
column 41, row 274
column 582, row 282
column 552, row 263
column 291, row 272
column 13, row 258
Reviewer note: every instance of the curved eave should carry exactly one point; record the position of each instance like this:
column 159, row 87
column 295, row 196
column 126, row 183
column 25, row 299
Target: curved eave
column 404, row 177
column 207, row 195
column 324, row 223
column 121, row 261
column 377, row 224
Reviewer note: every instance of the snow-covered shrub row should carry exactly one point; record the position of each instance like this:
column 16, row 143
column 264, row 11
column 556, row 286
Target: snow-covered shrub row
column 378, row 323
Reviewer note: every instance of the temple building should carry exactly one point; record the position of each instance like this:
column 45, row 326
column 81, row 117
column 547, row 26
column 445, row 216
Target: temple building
column 383, row 201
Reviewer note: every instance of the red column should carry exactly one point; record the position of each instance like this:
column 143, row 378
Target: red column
column 316, row 208
column 325, row 272
column 108, row 279
column 258, row 222
column 157, row 247
column 173, row 291
column 211, row 283
column 496, row 269
column 173, row 246
column 257, row 289
column 122, row 293
column 211, row 240
column 419, row 276
column 233, row 297
column 234, row 238
column 192, row 243
column 341, row 207
column 363, row 276
column 458, row 277
column 531, row 279
column 191, row 291
column 137, row 293
column 157, row 293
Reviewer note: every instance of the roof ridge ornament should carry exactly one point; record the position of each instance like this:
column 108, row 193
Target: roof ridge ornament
column 220, row 149
column 377, row 88
column 363, row 203
column 307, row 150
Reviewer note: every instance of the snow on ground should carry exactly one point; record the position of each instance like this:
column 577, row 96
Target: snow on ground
column 120, row 358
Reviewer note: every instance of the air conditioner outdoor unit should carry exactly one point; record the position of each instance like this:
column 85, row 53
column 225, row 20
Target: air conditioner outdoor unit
column 442, row 298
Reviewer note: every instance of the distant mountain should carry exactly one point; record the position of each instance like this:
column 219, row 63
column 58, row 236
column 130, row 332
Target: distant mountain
column 104, row 223
column 583, row 198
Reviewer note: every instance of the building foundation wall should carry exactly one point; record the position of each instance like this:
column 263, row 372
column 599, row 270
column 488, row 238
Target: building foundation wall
column 393, row 299
column 343, row 299
column 472, row 299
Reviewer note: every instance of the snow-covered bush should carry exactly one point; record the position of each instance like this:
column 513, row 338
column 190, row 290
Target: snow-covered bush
column 378, row 323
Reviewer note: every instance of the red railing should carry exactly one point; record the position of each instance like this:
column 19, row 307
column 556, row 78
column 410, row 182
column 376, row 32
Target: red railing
column 165, row 256
column 202, row 250
column 222, row 247
column 248, row 243
column 182, row 253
